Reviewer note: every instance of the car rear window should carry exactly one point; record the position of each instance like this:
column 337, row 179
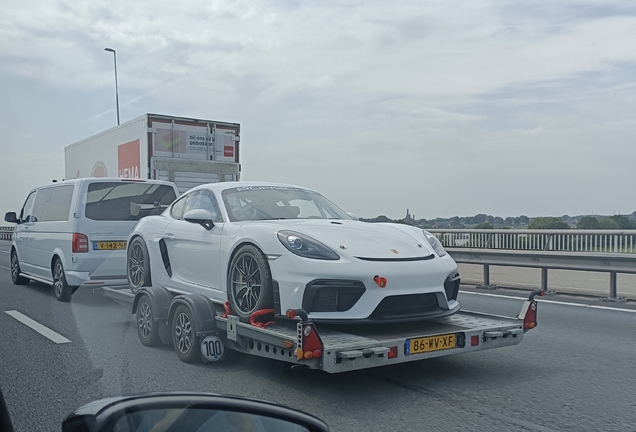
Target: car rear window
column 124, row 201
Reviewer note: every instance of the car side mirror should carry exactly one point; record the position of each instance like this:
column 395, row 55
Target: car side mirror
column 201, row 217
column 11, row 217
column 188, row 412
column 353, row 216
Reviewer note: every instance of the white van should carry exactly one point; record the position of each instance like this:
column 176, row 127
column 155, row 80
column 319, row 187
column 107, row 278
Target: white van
column 73, row 233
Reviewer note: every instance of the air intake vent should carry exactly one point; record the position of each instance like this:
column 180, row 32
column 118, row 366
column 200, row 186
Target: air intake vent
column 451, row 286
column 405, row 306
column 332, row 295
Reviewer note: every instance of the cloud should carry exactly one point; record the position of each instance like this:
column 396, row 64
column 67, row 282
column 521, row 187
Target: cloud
column 429, row 99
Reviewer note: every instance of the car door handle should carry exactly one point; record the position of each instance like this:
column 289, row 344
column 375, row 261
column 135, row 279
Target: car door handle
column 169, row 237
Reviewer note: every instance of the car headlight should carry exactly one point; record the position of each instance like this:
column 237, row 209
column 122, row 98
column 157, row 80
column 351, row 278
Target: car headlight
column 437, row 246
column 305, row 246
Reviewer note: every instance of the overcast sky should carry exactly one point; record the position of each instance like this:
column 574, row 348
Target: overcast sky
column 445, row 107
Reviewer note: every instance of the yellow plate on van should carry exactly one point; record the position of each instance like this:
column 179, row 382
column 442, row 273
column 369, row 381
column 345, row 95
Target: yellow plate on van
column 109, row 245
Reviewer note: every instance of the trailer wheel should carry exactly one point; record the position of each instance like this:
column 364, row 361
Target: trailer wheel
column 147, row 327
column 184, row 337
column 250, row 283
column 138, row 265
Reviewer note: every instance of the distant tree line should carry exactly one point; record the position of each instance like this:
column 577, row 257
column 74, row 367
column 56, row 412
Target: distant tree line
column 484, row 221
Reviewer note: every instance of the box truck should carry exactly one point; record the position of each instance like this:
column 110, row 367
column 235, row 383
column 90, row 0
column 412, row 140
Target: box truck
column 185, row 151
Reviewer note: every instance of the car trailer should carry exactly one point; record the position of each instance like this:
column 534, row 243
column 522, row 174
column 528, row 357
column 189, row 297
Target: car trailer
column 201, row 330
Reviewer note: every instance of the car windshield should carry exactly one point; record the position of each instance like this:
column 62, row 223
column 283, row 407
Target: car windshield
column 273, row 202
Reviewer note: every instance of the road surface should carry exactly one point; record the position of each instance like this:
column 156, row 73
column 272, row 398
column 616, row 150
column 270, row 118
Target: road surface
column 574, row 372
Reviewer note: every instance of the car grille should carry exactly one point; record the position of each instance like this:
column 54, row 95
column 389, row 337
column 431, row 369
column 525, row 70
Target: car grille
column 451, row 286
column 332, row 295
column 405, row 306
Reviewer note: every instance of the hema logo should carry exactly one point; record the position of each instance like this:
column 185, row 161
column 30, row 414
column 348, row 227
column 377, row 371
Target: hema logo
column 129, row 160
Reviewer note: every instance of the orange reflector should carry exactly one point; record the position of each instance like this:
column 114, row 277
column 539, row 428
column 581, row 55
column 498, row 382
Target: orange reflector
column 317, row 353
column 288, row 344
column 474, row 340
column 393, row 352
column 308, row 355
column 299, row 353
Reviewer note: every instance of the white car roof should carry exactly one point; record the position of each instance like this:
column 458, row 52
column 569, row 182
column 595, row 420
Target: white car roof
column 221, row 186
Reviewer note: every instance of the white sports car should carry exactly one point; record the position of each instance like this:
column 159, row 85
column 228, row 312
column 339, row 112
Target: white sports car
column 276, row 246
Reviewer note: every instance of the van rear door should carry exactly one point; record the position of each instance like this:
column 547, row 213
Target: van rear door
column 111, row 210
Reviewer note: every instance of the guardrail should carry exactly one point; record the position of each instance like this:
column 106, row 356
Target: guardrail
column 6, row 233
column 610, row 251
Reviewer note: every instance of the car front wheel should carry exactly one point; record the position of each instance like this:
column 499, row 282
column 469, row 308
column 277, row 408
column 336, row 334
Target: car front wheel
column 15, row 270
column 250, row 283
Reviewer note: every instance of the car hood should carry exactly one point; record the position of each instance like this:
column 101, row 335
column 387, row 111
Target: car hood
column 381, row 241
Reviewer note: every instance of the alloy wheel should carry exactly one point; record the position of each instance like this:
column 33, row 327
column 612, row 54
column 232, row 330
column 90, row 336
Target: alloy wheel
column 183, row 332
column 246, row 283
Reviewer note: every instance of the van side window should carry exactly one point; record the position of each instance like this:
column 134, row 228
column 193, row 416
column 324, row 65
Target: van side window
column 41, row 203
column 27, row 209
column 177, row 208
column 59, row 207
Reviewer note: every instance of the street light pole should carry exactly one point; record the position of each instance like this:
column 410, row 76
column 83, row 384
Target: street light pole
column 116, row 88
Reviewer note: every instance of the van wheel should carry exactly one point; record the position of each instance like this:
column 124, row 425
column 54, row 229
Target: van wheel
column 61, row 290
column 15, row 270
column 138, row 265
column 250, row 283
column 184, row 337
column 147, row 327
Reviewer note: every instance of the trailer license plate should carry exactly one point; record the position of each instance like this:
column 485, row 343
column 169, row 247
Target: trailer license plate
column 428, row 344
column 109, row 245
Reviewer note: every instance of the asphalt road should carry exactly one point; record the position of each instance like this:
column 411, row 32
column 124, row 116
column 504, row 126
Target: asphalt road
column 576, row 371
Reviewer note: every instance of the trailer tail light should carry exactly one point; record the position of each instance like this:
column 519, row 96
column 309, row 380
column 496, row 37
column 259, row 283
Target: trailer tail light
column 80, row 243
column 309, row 343
column 529, row 315
column 393, row 352
column 474, row 340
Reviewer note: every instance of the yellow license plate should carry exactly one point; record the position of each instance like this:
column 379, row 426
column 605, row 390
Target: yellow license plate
column 428, row 344
column 109, row 245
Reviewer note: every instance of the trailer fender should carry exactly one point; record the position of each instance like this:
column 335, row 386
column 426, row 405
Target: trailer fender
column 160, row 300
column 203, row 312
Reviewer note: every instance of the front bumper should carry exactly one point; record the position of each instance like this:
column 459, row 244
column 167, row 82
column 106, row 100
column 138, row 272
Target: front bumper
column 293, row 274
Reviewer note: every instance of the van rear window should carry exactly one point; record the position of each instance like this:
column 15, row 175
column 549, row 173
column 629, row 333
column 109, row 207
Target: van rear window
column 120, row 201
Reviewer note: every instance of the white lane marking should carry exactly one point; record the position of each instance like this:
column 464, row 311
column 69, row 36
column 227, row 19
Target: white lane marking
column 6, row 268
column 4, row 252
column 552, row 301
column 43, row 330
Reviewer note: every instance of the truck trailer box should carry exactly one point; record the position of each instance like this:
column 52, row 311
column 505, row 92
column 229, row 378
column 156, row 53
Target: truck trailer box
column 185, row 151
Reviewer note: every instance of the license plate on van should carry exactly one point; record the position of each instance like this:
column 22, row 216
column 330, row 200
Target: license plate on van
column 109, row 245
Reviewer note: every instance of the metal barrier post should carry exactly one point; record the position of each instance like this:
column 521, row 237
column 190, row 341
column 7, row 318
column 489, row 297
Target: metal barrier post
column 486, row 274
column 544, row 279
column 613, row 293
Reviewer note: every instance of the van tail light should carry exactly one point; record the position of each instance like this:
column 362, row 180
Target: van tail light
column 80, row 243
